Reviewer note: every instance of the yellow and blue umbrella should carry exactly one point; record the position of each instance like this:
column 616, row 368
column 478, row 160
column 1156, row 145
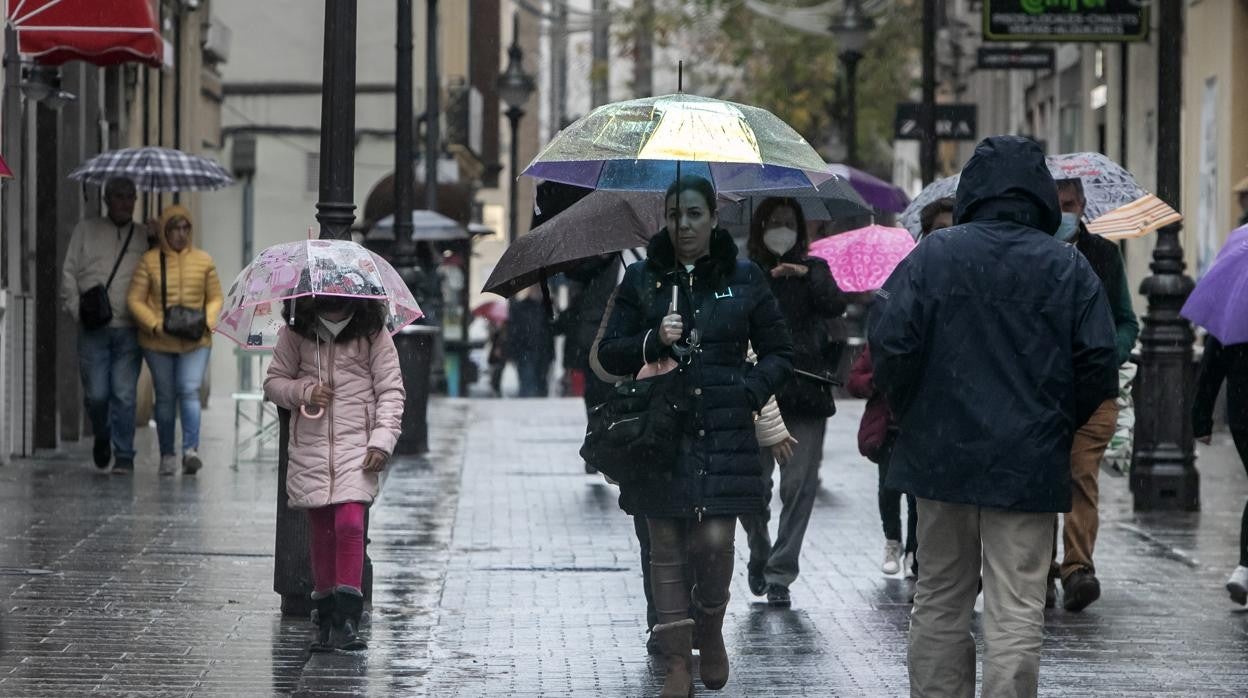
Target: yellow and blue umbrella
column 639, row 145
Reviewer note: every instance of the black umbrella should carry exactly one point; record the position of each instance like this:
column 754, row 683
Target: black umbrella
column 836, row 195
column 603, row 222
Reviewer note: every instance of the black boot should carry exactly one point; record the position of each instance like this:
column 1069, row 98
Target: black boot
column 324, row 624
column 349, row 606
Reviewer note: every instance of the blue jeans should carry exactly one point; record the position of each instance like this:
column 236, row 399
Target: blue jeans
column 109, row 361
column 177, row 378
column 534, row 377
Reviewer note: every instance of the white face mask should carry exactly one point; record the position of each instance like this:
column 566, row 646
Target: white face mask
column 335, row 327
column 779, row 240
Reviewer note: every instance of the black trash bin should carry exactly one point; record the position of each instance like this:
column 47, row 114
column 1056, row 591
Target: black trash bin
column 415, row 346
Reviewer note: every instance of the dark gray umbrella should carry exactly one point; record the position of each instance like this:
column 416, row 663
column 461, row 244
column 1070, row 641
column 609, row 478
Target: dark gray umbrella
column 426, row 225
column 836, row 195
column 603, row 222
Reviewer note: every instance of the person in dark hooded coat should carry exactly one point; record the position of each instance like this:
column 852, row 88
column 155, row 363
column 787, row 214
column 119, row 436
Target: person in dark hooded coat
column 723, row 306
column 993, row 342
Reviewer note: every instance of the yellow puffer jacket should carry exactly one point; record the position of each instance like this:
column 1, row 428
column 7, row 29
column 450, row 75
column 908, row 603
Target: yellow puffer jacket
column 192, row 281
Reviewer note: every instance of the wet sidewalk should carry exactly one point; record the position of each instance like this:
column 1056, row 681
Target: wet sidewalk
column 502, row 569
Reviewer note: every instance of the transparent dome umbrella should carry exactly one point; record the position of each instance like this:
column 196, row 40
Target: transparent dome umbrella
column 252, row 312
column 640, row 144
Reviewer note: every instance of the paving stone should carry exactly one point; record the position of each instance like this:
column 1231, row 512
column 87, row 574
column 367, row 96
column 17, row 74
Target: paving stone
column 501, row 569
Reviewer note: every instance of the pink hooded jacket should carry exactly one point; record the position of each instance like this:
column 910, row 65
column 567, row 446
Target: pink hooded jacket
column 326, row 462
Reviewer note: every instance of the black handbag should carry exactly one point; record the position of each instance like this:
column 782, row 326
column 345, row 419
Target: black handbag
column 94, row 309
column 811, row 394
column 180, row 320
column 636, row 431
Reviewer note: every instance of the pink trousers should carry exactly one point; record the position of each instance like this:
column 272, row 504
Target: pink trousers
column 337, row 546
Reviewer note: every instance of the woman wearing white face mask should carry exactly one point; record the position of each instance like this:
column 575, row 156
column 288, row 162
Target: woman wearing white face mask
column 810, row 301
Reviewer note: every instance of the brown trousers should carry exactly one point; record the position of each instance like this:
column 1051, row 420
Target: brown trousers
column 1083, row 521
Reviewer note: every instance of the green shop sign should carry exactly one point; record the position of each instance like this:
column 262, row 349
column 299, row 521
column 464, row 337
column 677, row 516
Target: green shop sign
column 1065, row 20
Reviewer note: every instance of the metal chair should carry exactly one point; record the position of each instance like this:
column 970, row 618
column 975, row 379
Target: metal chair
column 255, row 418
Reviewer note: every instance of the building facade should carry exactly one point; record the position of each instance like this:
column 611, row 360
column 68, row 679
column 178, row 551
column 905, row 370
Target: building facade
column 55, row 116
column 1102, row 97
column 270, row 135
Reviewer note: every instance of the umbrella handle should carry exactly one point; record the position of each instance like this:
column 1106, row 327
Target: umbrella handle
column 320, row 412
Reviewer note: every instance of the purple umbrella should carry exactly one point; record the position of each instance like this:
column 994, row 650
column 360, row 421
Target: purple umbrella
column 1219, row 303
column 875, row 191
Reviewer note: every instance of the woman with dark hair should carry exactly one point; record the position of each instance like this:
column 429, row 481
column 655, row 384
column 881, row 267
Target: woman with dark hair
column 336, row 369
column 810, row 301
column 692, row 305
column 176, row 274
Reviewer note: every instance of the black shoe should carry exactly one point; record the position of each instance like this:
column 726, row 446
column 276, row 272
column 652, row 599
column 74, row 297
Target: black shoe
column 1079, row 590
column 758, row 583
column 590, row 470
column 102, row 452
column 123, row 466
column 348, row 607
column 324, row 625
column 778, row 596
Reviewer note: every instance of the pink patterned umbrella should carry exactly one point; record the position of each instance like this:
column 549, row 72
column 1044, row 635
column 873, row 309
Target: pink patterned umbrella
column 863, row 259
column 252, row 312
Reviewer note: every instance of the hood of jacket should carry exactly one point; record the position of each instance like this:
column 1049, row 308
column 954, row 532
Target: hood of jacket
column 1007, row 179
column 171, row 212
column 712, row 271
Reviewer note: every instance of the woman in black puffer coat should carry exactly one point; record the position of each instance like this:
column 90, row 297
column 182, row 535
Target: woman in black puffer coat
column 811, row 301
column 724, row 306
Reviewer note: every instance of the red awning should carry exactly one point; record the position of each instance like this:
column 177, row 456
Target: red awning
column 103, row 32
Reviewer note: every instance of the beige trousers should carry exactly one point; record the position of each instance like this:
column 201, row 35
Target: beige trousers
column 1014, row 550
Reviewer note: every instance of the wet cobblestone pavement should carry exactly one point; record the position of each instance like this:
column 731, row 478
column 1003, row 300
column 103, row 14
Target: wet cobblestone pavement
column 501, row 569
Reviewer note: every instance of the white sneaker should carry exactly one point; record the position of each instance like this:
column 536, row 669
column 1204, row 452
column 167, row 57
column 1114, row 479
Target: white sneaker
column 908, row 565
column 892, row 557
column 168, row 465
column 1237, row 585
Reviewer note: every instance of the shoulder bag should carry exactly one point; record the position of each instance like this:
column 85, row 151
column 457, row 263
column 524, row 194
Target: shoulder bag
column 94, row 309
column 636, row 432
column 180, row 321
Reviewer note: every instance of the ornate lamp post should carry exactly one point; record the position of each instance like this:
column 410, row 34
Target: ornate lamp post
column 1163, row 474
column 514, row 87
column 851, row 30
column 292, row 576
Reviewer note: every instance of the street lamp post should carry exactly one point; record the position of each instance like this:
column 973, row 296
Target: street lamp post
column 851, row 32
column 335, row 210
column 515, row 87
column 1163, row 474
column 403, row 135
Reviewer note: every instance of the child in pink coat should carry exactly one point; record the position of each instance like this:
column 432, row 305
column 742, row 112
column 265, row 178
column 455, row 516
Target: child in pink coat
column 336, row 369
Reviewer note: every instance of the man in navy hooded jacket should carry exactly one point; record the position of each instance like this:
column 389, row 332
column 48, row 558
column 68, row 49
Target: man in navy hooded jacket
column 993, row 343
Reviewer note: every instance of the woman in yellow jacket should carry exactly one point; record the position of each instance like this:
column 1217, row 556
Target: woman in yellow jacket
column 175, row 273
